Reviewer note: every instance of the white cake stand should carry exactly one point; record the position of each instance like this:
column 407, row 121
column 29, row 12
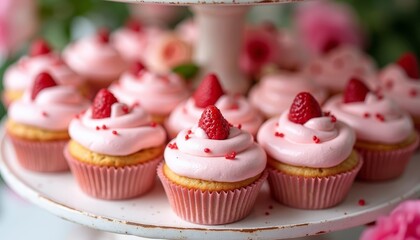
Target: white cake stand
column 220, row 30
column 151, row 216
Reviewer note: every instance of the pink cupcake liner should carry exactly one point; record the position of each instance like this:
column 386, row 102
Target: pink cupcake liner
column 311, row 193
column 111, row 183
column 40, row 156
column 385, row 165
column 211, row 207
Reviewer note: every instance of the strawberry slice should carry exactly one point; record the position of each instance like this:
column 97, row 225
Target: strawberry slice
column 101, row 106
column 102, row 35
column 39, row 47
column 136, row 68
column 355, row 91
column 304, row 107
column 408, row 62
column 42, row 81
column 214, row 124
column 208, row 92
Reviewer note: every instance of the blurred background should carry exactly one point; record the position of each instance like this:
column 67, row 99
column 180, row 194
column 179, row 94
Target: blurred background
column 385, row 29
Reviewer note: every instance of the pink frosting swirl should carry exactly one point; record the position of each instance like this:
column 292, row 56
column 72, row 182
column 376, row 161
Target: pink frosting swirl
column 276, row 91
column 294, row 143
column 52, row 109
column 158, row 94
column 20, row 75
column 119, row 135
column 392, row 125
column 397, row 85
column 94, row 60
column 190, row 159
column 236, row 109
column 337, row 67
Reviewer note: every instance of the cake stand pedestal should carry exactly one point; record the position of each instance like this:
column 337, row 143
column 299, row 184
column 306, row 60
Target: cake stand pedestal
column 150, row 216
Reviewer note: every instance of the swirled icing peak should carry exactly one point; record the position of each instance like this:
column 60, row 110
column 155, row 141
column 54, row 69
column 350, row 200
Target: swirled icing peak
column 197, row 154
column 156, row 93
column 376, row 119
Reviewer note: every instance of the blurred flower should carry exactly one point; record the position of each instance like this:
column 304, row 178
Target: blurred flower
column 402, row 224
column 260, row 48
column 18, row 22
column 187, row 30
column 326, row 24
column 167, row 51
column 292, row 55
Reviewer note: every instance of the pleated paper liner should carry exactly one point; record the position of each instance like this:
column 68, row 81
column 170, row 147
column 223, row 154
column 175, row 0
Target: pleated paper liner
column 114, row 183
column 385, row 165
column 311, row 193
column 211, row 207
column 40, row 156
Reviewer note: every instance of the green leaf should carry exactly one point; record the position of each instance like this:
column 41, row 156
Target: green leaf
column 187, row 71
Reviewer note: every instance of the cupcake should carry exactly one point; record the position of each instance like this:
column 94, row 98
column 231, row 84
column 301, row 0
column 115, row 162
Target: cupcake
column 114, row 149
column 333, row 69
column 385, row 135
column 20, row 76
column 236, row 109
column 158, row 94
column 96, row 59
column 274, row 93
column 212, row 171
column 37, row 123
column 132, row 40
column 311, row 161
column 401, row 82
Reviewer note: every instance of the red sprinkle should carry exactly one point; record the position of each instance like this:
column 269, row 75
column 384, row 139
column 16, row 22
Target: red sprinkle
column 114, row 132
column 45, row 114
column 389, row 84
column 104, row 127
column 172, row 145
column 333, row 119
column 207, row 150
column 380, row 117
column 379, row 96
column 234, row 106
column 240, row 126
column 277, row 134
column 267, row 213
column 153, row 124
column 316, row 139
column 189, row 131
column 362, row 202
column 98, row 128
column 136, row 104
column 125, row 109
column 270, row 207
column 277, row 124
column 231, row 155
column 413, row 93
column 187, row 137
column 327, row 113
column 366, row 115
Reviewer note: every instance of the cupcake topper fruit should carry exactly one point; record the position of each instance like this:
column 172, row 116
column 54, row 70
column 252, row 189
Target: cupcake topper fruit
column 355, row 91
column 102, row 35
column 214, row 124
column 304, row 107
column 42, row 81
column 136, row 68
column 39, row 47
column 101, row 106
column 408, row 62
column 133, row 25
column 208, row 92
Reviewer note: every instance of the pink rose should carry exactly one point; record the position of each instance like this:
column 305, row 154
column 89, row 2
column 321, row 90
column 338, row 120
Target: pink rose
column 18, row 22
column 402, row 224
column 325, row 24
column 167, row 51
column 260, row 48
